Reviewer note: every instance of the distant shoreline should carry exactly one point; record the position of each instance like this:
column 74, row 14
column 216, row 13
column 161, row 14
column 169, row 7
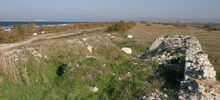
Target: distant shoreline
column 9, row 25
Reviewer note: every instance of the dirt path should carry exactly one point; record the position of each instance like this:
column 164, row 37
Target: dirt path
column 43, row 37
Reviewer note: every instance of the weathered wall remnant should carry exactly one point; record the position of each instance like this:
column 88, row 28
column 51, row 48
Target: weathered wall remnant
column 185, row 55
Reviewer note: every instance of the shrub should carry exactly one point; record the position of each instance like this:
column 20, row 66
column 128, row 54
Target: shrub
column 121, row 26
column 31, row 27
column 180, row 25
column 20, row 29
column 210, row 27
column 19, row 32
column 0, row 29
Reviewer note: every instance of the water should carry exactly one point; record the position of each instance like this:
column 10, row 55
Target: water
column 8, row 25
column 218, row 24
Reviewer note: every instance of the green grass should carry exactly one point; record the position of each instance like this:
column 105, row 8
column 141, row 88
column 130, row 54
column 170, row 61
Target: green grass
column 138, row 49
column 218, row 76
column 53, row 79
column 64, row 76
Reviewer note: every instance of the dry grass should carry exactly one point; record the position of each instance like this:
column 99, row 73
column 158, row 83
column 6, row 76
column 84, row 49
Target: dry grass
column 209, row 40
column 67, row 48
column 208, row 84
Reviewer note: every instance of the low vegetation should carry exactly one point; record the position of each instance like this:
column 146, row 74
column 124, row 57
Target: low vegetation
column 67, row 70
column 218, row 76
column 210, row 27
column 20, row 32
column 68, row 73
column 121, row 26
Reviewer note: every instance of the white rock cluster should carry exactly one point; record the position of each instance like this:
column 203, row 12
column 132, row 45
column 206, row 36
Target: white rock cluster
column 184, row 53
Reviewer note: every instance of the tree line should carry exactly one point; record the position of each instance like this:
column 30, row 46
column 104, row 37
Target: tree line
column 20, row 32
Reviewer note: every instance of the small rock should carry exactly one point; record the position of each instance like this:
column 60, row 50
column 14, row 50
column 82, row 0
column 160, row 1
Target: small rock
column 34, row 34
column 94, row 89
column 129, row 36
column 43, row 32
column 127, row 50
column 90, row 49
column 84, row 39
column 90, row 57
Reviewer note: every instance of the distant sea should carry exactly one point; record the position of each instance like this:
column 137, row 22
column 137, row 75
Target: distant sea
column 217, row 24
column 8, row 25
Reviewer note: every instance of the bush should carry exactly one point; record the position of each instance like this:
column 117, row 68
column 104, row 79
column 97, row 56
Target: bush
column 210, row 27
column 19, row 32
column 180, row 25
column 0, row 29
column 121, row 26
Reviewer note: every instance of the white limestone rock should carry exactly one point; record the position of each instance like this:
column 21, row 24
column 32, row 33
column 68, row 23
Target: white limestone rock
column 90, row 49
column 34, row 34
column 94, row 89
column 129, row 36
column 127, row 50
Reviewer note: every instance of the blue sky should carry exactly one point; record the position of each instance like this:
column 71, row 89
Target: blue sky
column 107, row 9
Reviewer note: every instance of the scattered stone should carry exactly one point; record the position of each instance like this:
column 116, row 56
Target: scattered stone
column 94, row 89
column 43, row 32
column 84, row 39
column 69, row 64
column 129, row 36
column 34, row 34
column 127, row 50
column 90, row 49
column 156, row 44
column 45, row 56
column 90, row 57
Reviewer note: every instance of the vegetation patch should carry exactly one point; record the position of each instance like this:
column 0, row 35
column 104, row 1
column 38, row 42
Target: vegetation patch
column 121, row 26
column 218, row 76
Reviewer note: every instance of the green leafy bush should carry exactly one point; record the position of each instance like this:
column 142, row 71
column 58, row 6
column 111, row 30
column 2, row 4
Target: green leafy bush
column 121, row 26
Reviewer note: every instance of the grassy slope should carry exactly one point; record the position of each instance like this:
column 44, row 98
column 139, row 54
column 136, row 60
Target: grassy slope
column 67, row 73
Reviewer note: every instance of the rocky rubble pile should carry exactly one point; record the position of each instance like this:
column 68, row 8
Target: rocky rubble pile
column 185, row 55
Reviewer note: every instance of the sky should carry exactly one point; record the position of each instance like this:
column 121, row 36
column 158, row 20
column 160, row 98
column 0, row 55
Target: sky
column 70, row 10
